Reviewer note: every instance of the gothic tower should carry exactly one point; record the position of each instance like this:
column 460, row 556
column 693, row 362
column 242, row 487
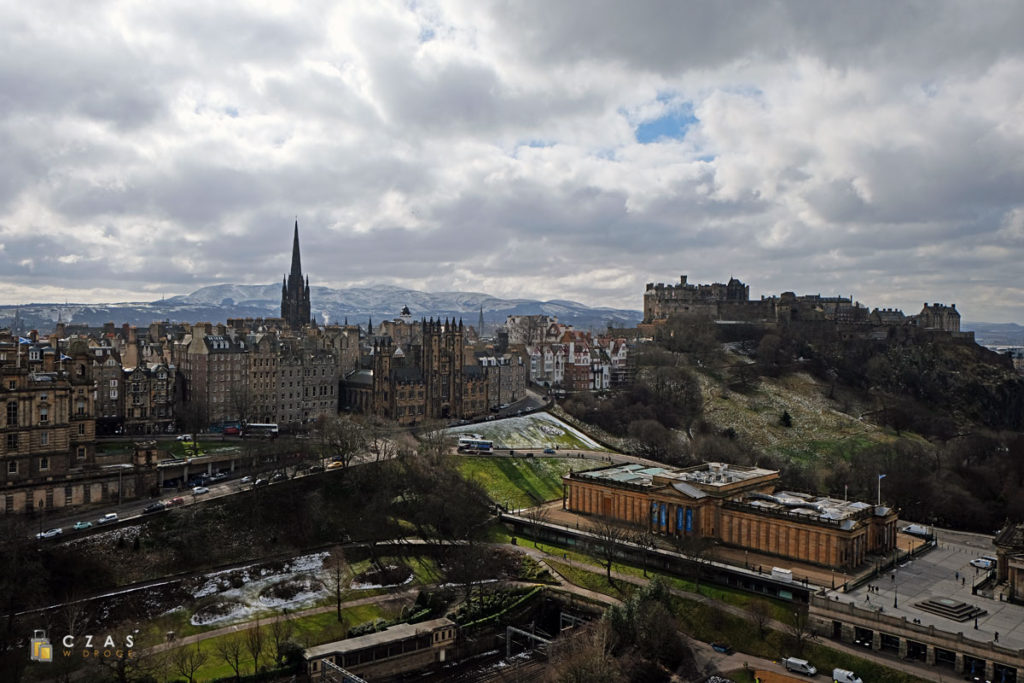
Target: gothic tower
column 295, row 290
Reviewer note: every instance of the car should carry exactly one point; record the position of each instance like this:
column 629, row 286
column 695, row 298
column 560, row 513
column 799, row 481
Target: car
column 335, row 465
column 315, row 468
column 278, row 477
column 800, row 666
column 245, row 480
column 220, row 476
column 49, row 533
column 185, row 437
column 154, row 507
column 79, row 526
column 917, row 530
column 983, row 563
column 232, row 431
column 260, row 482
column 549, row 451
column 177, row 500
column 722, row 647
column 199, row 490
column 107, row 518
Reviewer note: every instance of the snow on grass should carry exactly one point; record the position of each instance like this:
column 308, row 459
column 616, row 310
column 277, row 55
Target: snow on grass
column 539, row 430
column 239, row 594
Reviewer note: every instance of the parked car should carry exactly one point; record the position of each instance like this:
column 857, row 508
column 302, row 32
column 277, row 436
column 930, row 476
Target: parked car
column 82, row 525
column 917, row 530
column 232, row 431
column 983, row 562
column 49, row 533
column 177, row 500
column 107, row 518
column 549, row 451
column 154, row 507
column 199, row 490
column 278, row 477
column 245, row 480
column 315, row 468
column 185, row 437
column 220, row 476
column 260, row 482
column 722, row 647
column 335, row 465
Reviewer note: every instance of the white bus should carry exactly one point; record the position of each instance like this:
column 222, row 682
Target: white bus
column 475, row 444
column 265, row 430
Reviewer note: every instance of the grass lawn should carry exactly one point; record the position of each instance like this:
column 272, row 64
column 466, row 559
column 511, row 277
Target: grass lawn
column 521, row 482
column 307, row 631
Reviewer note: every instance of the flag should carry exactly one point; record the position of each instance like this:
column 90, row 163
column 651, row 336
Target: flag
column 22, row 340
column 63, row 357
column 881, row 476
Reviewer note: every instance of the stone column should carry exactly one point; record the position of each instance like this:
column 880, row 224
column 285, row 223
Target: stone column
column 990, row 670
column 876, row 640
column 959, row 665
column 903, row 648
column 929, row 655
column 846, row 633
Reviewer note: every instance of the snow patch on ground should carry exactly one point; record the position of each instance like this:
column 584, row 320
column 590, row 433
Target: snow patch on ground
column 537, row 431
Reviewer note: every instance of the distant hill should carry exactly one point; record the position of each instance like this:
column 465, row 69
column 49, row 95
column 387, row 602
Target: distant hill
column 217, row 303
column 996, row 334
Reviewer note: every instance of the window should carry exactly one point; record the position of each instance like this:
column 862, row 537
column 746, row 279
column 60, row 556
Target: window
column 81, row 453
column 113, row 394
column 13, row 384
column 44, row 415
column 44, row 439
column 80, row 408
column 12, row 467
column 113, row 382
column 12, row 414
column 81, row 428
column 44, row 464
column 12, row 442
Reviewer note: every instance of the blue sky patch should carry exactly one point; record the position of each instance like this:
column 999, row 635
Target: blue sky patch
column 673, row 125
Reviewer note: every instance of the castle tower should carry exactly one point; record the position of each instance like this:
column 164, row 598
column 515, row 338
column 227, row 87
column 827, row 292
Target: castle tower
column 295, row 290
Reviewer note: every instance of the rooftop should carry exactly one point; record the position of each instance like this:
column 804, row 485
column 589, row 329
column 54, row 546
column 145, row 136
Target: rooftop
column 388, row 635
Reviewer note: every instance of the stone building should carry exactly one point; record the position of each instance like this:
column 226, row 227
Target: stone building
column 735, row 506
column 47, row 422
column 662, row 301
column 939, row 317
column 149, row 399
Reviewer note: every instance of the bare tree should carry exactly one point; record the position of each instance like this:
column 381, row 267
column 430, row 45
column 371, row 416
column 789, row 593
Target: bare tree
column 642, row 535
column 230, row 649
column 584, row 656
column 799, row 629
column 698, row 549
column 435, row 443
column 254, row 643
column 188, row 660
column 242, row 400
column 341, row 438
column 338, row 578
column 760, row 614
column 608, row 537
column 380, row 439
column 538, row 514
column 281, row 629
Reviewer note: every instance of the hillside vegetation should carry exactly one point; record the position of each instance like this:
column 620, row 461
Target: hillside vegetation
column 941, row 418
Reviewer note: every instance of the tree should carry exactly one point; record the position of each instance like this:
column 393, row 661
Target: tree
column 798, row 629
column 760, row 614
column 698, row 549
column 608, row 537
column 254, row 643
column 786, row 420
column 469, row 565
column 584, row 656
column 642, row 535
column 380, row 439
column 338, row 578
column 538, row 514
column 341, row 438
column 242, row 401
column 187, row 660
column 281, row 629
column 230, row 649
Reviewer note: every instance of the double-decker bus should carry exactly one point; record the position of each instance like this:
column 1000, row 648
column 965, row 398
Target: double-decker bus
column 264, row 430
column 475, row 444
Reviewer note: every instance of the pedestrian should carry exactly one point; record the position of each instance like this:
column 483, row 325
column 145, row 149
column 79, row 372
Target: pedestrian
column 975, row 623
column 894, row 577
column 997, row 636
column 958, row 576
column 963, row 581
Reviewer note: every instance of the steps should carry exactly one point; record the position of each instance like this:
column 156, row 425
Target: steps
column 951, row 609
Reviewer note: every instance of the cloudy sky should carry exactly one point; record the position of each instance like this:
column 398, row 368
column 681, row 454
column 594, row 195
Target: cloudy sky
column 544, row 149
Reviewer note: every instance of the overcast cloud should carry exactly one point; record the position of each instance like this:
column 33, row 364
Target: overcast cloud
column 571, row 150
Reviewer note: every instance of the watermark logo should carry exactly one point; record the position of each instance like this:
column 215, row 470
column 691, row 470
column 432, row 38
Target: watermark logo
column 42, row 650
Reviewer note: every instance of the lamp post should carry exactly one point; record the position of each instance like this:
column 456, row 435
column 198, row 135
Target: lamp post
column 833, row 578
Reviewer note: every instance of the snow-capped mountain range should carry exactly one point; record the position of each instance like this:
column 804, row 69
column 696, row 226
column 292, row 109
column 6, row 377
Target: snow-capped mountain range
column 217, row 303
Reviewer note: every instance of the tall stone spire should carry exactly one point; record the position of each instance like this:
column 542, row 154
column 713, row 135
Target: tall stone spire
column 295, row 308
column 296, row 259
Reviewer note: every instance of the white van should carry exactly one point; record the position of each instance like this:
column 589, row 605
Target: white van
column 845, row 676
column 800, row 666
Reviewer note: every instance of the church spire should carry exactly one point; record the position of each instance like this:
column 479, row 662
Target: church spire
column 296, row 260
